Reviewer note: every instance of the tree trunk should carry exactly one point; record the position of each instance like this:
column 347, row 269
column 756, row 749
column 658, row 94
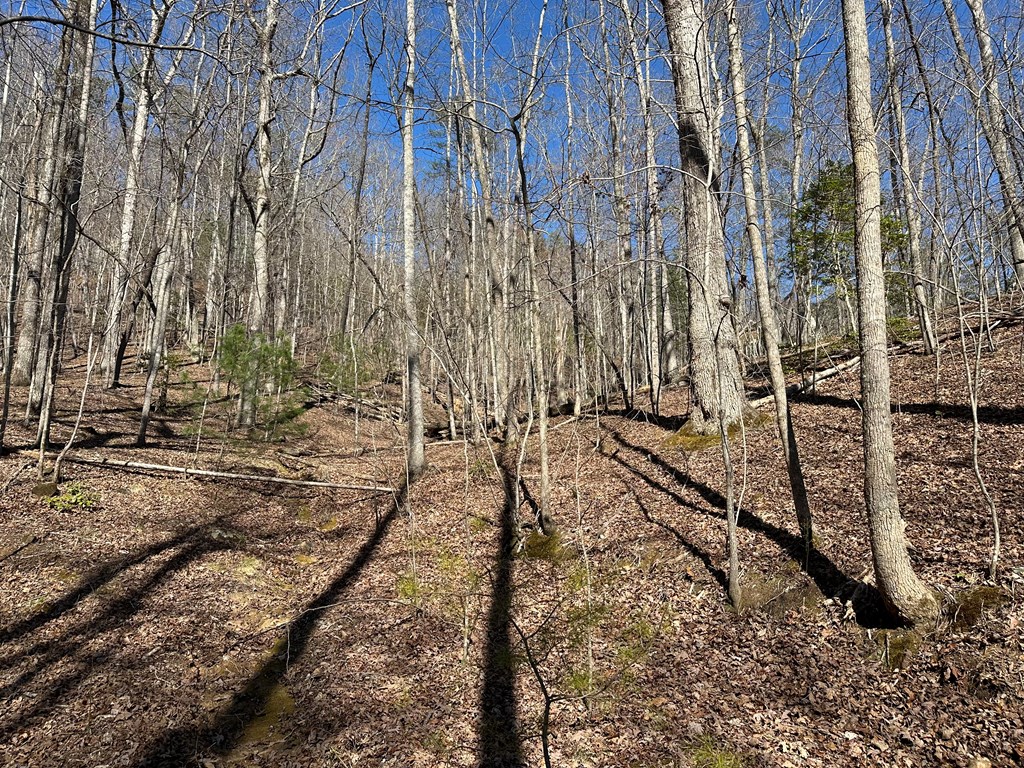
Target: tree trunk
column 991, row 114
column 260, row 321
column 769, row 325
column 12, row 294
column 69, row 193
column 497, row 320
column 416, row 461
column 123, row 265
column 903, row 592
column 715, row 379
column 905, row 189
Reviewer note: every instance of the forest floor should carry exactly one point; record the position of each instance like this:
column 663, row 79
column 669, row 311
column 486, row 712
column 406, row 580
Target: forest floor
column 149, row 619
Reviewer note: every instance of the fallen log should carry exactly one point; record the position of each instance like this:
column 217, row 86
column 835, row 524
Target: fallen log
column 810, row 381
column 187, row 471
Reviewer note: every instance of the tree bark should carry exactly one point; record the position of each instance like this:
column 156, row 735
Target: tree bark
column 715, row 379
column 415, row 458
column 991, row 113
column 903, row 592
column 115, row 336
column 497, row 320
column 905, row 188
column 769, row 324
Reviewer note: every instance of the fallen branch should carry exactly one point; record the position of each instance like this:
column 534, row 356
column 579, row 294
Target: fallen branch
column 807, row 383
column 118, row 464
column 810, row 381
column 27, row 542
column 14, row 476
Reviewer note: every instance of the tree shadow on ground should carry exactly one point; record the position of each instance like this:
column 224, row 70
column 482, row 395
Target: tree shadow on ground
column 828, row 578
column 75, row 643
column 182, row 746
column 498, row 735
column 660, row 420
column 716, row 573
column 96, row 578
column 987, row 414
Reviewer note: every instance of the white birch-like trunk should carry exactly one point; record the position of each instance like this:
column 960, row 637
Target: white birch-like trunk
column 123, row 262
column 414, row 390
column 903, row 592
column 769, row 324
column 715, row 379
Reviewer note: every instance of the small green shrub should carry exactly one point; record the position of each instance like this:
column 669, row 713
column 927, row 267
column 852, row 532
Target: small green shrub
column 409, row 588
column 75, row 497
column 264, row 370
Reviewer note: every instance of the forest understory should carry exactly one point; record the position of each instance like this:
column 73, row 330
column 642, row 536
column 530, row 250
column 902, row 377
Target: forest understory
column 150, row 619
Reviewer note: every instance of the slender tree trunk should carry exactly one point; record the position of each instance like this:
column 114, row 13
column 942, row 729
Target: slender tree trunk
column 497, row 319
column 653, row 315
column 769, row 325
column 905, row 188
column 904, row 593
column 715, row 379
column 12, row 300
column 115, row 337
column 69, row 193
column 416, row 461
column 163, row 273
column 579, row 368
column 50, row 116
column 537, row 364
column 991, row 114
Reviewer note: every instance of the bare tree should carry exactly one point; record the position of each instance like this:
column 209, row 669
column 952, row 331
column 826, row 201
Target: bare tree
column 116, row 335
column 415, row 459
column 991, row 112
column 905, row 188
column 769, row 324
column 715, row 379
column 903, row 592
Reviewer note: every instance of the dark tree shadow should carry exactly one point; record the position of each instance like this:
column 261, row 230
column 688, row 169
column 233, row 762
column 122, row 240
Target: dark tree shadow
column 498, row 736
column 716, row 573
column 828, row 578
column 988, row 414
column 184, row 745
column 94, row 579
column 78, row 638
column 660, row 420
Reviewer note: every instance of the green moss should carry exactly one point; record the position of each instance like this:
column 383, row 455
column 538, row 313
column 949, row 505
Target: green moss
column 409, row 588
column 896, row 648
column 706, row 753
column 778, row 595
column 689, row 440
column 248, row 566
column 540, row 547
column 277, row 707
column 968, row 608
